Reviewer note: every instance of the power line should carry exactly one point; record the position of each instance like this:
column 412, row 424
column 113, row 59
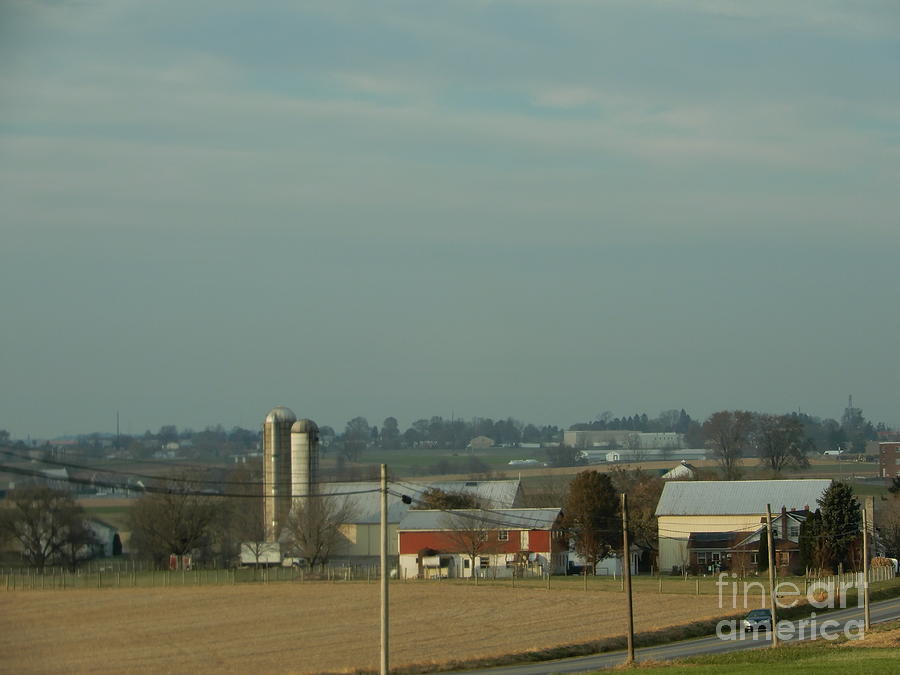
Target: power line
column 85, row 467
column 152, row 489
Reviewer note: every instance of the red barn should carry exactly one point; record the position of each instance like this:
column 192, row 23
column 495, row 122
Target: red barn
column 487, row 542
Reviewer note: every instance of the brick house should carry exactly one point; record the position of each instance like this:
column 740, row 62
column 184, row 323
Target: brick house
column 889, row 459
column 738, row 551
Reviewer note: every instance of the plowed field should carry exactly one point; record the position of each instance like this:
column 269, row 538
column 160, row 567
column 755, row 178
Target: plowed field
column 307, row 628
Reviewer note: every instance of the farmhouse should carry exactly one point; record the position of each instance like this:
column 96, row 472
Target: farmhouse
column 683, row 471
column 712, row 552
column 500, row 543
column 727, row 508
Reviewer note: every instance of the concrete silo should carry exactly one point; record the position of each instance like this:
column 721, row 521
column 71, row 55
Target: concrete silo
column 277, row 469
column 304, row 459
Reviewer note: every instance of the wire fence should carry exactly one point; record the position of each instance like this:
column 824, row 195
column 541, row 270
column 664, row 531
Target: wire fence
column 100, row 575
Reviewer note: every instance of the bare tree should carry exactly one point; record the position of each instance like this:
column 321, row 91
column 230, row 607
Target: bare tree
column 780, row 442
column 44, row 522
column 726, row 434
column 78, row 543
column 242, row 524
column 178, row 521
column 469, row 530
column 314, row 526
column 887, row 523
column 435, row 498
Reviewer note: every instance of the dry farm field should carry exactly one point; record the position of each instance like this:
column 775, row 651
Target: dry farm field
column 307, row 628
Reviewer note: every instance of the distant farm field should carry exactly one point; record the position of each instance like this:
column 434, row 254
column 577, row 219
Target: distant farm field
column 308, row 628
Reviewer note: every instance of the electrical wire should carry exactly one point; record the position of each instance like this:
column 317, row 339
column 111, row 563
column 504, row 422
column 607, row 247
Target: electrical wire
column 152, row 489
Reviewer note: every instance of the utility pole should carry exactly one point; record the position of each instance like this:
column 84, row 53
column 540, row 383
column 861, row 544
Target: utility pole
column 865, row 552
column 626, row 577
column 772, row 593
column 384, row 572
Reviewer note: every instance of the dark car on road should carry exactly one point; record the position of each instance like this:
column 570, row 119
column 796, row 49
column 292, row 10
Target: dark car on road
column 758, row 618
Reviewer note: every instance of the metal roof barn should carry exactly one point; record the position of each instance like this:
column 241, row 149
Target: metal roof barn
column 738, row 497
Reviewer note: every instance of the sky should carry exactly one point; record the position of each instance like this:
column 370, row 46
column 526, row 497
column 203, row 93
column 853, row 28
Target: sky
column 543, row 210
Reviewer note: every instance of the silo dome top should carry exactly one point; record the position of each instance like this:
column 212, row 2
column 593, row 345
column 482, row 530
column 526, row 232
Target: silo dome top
column 304, row 426
column 280, row 414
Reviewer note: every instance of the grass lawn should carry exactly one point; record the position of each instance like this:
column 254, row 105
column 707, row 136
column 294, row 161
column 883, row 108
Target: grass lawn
column 813, row 659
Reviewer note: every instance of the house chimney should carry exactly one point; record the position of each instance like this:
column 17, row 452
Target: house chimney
column 784, row 523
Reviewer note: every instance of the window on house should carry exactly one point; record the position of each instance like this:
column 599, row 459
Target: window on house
column 503, row 535
column 485, row 561
column 701, row 558
column 715, row 557
column 793, row 531
column 755, row 558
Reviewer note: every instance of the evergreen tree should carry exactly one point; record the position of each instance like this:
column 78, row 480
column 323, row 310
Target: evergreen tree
column 814, row 549
column 841, row 521
column 762, row 558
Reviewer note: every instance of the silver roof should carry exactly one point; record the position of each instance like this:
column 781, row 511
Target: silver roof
column 365, row 496
column 737, row 497
column 281, row 414
column 304, row 426
column 509, row 519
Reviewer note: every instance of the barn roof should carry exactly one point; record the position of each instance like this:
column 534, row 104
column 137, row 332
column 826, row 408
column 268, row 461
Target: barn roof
column 499, row 519
column 365, row 496
column 737, row 497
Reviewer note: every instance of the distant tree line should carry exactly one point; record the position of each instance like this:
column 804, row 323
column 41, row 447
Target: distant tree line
column 849, row 434
column 434, row 433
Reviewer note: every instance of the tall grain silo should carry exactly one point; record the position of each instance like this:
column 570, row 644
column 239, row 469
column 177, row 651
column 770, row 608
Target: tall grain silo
column 304, row 459
column 277, row 469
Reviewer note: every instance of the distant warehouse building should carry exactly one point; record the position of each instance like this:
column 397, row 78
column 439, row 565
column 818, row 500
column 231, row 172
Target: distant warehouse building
column 633, row 440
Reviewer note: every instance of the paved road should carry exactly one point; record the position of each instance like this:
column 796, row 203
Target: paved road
column 880, row 611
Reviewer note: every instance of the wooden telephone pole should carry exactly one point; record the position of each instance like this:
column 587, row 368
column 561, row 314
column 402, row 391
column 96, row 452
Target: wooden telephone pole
column 772, row 593
column 384, row 572
column 865, row 553
column 626, row 577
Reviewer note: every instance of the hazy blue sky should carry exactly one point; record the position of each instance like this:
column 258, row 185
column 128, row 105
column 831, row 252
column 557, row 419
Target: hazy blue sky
column 536, row 209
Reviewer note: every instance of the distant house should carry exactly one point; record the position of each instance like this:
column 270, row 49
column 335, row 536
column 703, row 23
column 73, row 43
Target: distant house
column 611, row 565
column 107, row 540
column 731, row 508
column 481, row 442
column 683, row 471
column 439, row 543
column 712, row 552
